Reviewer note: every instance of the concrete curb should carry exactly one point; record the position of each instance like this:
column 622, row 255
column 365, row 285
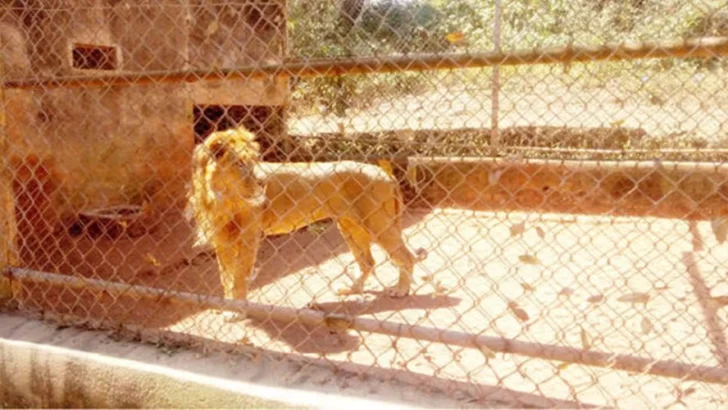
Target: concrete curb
column 44, row 366
column 35, row 375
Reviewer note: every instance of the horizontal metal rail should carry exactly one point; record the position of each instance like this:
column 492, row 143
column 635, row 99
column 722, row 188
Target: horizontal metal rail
column 311, row 317
column 705, row 47
column 617, row 151
column 606, row 165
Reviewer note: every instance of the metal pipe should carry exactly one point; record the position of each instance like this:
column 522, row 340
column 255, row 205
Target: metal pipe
column 706, row 47
column 683, row 371
column 495, row 81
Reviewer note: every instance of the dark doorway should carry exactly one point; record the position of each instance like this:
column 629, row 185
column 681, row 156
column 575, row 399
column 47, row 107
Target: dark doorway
column 94, row 57
column 266, row 122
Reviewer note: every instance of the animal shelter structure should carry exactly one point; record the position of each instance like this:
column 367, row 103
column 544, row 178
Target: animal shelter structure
column 575, row 235
column 135, row 136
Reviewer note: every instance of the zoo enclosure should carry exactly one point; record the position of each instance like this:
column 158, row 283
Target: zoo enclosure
column 649, row 188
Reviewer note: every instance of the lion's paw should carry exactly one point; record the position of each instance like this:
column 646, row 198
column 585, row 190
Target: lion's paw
column 231, row 317
column 346, row 291
column 398, row 292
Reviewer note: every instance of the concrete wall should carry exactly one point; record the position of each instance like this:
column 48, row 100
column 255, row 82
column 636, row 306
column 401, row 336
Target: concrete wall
column 122, row 144
column 39, row 375
column 44, row 365
column 237, row 33
column 637, row 188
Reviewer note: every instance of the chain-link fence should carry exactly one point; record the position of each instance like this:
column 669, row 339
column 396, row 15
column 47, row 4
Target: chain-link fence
column 540, row 187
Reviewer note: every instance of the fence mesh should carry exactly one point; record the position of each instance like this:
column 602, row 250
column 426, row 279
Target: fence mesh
column 566, row 220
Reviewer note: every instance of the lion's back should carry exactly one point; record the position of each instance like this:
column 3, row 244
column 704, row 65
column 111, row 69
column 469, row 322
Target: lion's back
column 315, row 172
column 327, row 189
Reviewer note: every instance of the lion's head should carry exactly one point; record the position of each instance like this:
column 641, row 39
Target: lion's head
column 223, row 178
column 231, row 145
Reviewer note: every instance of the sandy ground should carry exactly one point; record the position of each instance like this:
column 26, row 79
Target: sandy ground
column 565, row 272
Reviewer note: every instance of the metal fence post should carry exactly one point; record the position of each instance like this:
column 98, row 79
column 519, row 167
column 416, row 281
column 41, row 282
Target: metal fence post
column 495, row 85
column 8, row 228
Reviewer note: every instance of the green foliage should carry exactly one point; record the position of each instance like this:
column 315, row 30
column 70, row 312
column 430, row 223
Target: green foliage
column 415, row 26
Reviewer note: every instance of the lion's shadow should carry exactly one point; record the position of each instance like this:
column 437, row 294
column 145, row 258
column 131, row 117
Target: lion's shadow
column 322, row 340
column 293, row 254
column 166, row 260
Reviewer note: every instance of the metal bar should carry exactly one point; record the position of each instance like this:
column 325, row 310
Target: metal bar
column 608, row 165
column 287, row 146
column 8, row 223
column 366, row 137
column 619, row 151
column 495, row 81
column 683, row 371
column 695, row 48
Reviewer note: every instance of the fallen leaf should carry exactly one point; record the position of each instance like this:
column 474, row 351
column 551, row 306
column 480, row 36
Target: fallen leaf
column 656, row 99
column 150, row 259
column 540, row 232
column 720, row 229
column 566, row 292
column 529, row 259
column 636, row 297
column 427, row 278
column 517, row 229
column 646, row 326
column 455, row 38
column 563, row 365
column 585, row 343
column 440, row 290
column 487, row 352
column 518, row 311
column 595, row 299
column 527, row 288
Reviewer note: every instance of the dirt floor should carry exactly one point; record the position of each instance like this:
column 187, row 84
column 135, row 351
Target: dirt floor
column 559, row 280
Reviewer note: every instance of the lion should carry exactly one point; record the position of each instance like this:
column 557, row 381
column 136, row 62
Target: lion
column 236, row 200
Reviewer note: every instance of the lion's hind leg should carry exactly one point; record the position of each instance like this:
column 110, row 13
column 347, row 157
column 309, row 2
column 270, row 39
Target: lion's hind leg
column 387, row 232
column 359, row 242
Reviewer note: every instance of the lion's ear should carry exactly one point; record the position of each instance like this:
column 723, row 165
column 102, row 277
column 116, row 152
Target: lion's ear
column 218, row 150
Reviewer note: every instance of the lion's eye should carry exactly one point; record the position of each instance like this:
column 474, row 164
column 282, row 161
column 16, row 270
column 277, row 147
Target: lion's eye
column 218, row 152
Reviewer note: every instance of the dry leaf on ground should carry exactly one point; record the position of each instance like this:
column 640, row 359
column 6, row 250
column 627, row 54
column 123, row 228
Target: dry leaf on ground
column 529, row 259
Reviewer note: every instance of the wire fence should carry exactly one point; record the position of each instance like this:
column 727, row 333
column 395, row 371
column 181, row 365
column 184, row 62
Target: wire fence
column 519, row 203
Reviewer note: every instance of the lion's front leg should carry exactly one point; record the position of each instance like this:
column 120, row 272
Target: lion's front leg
column 236, row 262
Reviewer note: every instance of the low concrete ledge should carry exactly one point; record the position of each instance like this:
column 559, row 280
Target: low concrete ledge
column 40, row 376
column 43, row 366
column 690, row 190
